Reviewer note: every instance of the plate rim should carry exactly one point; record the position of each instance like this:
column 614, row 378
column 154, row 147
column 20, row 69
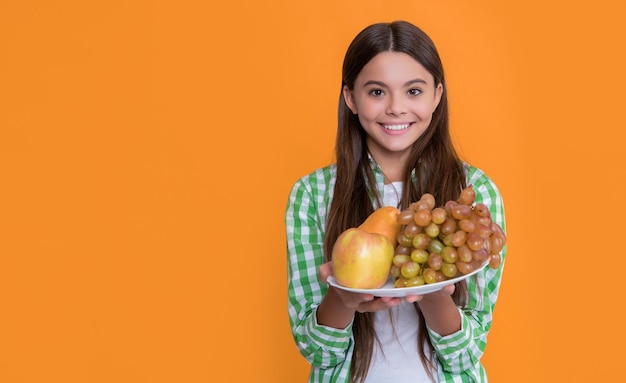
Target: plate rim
column 404, row 291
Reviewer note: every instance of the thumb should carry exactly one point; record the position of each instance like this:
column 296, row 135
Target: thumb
column 449, row 289
column 325, row 271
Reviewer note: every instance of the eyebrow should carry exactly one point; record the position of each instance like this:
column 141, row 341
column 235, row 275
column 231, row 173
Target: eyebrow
column 408, row 83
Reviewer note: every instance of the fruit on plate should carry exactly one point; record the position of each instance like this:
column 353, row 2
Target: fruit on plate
column 445, row 242
column 383, row 221
column 361, row 259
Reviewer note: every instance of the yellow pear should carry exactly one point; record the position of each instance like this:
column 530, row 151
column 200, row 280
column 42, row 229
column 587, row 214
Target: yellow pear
column 383, row 221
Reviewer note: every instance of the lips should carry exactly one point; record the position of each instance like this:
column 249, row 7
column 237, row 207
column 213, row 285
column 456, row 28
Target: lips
column 396, row 127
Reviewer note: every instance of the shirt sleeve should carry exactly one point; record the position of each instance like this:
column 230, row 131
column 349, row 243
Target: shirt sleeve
column 322, row 346
column 460, row 352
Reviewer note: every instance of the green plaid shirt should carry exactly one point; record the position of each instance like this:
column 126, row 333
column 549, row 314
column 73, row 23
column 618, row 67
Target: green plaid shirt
column 329, row 350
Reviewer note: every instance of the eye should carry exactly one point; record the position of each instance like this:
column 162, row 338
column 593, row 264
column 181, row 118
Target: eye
column 414, row 92
column 376, row 92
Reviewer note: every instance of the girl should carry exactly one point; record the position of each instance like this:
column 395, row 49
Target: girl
column 393, row 145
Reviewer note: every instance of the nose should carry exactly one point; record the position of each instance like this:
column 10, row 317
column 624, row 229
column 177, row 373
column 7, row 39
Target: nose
column 395, row 106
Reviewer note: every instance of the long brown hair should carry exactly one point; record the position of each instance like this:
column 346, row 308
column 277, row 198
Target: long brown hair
column 433, row 166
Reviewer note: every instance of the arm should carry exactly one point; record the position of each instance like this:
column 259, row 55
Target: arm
column 461, row 351
column 322, row 346
column 320, row 316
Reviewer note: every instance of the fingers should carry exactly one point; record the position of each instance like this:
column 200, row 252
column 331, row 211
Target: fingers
column 444, row 293
column 363, row 302
column 353, row 300
column 446, row 290
column 325, row 271
column 449, row 290
column 377, row 304
column 413, row 298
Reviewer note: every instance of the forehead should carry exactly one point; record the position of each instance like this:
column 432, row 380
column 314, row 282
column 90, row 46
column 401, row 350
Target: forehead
column 393, row 68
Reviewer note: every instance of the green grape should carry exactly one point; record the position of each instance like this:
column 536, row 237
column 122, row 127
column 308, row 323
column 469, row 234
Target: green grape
column 409, row 269
column 419, row 256
column 404, row 240
column 430, row 276
column 395, row 271
column 421, row 241
column 435, row 246
column 432, row 230
column 448, row 269
column 449, row 254
column 447, row 239
column 415, row 281
column 400, row 259
column 400, row 282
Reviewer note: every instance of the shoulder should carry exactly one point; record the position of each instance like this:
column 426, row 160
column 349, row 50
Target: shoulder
column 318, row 180
column 315, row 188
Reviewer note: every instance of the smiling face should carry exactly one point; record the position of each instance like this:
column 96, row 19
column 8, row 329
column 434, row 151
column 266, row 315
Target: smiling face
column 394, row 97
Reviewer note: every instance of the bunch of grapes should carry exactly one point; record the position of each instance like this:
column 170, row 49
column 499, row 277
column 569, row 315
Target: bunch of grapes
column 440, row 243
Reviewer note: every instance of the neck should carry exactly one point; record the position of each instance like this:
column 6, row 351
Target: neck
column 393, row 168
column 391, row 177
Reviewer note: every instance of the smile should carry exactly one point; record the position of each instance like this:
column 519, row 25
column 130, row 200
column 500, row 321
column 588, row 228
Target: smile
column 396, row 127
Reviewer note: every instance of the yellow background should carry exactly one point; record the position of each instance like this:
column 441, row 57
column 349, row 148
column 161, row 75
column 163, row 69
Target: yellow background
column 147, row 149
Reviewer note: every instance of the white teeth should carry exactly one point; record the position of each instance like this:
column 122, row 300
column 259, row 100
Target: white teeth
column 396, row 127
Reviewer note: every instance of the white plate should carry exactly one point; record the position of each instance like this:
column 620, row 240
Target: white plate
column 389, row 291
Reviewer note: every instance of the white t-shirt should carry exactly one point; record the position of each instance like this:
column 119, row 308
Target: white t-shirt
column 398, row 360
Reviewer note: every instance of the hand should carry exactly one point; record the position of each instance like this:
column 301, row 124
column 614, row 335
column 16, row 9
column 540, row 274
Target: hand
column 446, row 291
column 440, row 312
column 357, row 301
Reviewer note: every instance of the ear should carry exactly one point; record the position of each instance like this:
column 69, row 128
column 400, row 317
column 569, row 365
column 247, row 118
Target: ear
column 438, row 94
column 348, row 98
